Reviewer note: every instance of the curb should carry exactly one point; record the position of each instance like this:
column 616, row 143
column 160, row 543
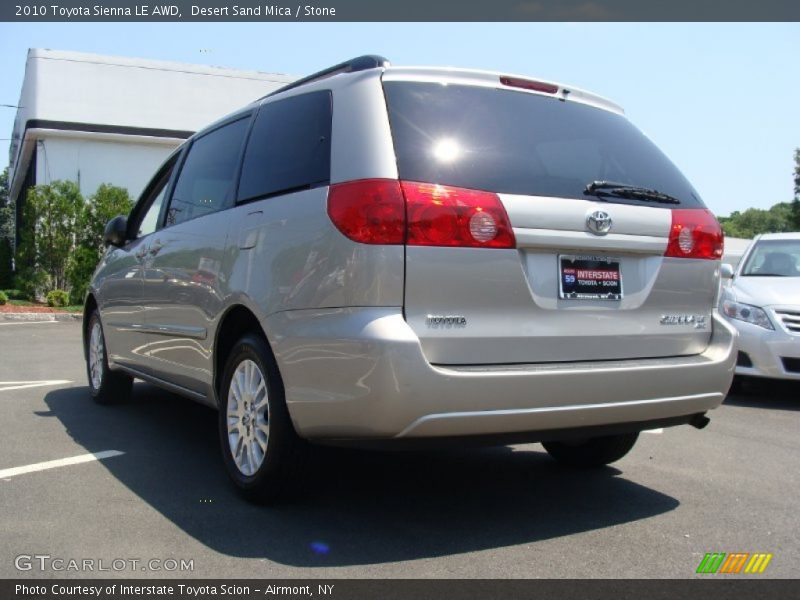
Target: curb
column 35, row 317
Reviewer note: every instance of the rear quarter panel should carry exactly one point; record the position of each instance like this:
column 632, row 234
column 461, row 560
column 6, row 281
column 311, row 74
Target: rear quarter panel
column 286, row 253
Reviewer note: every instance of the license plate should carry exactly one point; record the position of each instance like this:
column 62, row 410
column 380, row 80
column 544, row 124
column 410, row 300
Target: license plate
column 589, row 278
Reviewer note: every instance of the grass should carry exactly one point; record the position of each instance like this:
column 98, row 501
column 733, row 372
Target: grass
column 23, row 303
column 73, row 308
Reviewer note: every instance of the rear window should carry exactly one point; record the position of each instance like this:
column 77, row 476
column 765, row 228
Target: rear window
column 515, row 142
column 289, row 148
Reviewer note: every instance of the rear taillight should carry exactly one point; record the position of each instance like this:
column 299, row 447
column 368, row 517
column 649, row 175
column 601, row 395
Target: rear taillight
column 385, row 211
column 370, row 211
column 440, row 215
column 695, row 233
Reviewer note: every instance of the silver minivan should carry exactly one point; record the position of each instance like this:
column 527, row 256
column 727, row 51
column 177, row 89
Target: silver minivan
column 384, row 255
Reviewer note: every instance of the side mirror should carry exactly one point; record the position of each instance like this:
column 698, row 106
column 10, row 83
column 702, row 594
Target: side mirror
column 726, row 271
column 116, row 233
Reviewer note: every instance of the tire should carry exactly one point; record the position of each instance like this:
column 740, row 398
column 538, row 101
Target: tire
column 263, row 455
column 592, row 453
column 105, row 385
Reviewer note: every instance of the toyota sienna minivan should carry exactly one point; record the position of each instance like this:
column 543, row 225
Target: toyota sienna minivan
column 383, row 255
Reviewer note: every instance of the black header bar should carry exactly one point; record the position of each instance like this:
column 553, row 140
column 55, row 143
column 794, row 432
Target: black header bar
column 398, row 10
column 728, row 588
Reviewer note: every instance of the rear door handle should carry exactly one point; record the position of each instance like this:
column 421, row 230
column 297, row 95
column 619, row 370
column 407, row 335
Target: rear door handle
column 248, row 238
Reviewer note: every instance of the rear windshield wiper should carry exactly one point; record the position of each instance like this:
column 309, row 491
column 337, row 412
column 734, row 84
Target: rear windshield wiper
column 623, row 190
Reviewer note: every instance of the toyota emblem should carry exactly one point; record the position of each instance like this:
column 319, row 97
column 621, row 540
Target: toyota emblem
column 599, row 222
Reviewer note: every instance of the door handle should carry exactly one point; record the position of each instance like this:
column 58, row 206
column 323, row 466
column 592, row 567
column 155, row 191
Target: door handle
column 141, row 254
column 156, row 248
column 249, row 235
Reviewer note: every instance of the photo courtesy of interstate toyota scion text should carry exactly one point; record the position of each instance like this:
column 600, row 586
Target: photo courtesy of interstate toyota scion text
column 382, row 255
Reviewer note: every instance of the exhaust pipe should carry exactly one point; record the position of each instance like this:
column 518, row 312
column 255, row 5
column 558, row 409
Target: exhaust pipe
column 699, row 421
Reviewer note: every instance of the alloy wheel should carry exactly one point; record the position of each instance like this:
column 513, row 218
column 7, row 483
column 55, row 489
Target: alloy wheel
column 248, row 417
column 96, row 355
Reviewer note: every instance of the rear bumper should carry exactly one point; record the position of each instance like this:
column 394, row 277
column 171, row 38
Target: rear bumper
column 360, row 373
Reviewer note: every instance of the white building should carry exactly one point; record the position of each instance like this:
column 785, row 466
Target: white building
column 105, row 119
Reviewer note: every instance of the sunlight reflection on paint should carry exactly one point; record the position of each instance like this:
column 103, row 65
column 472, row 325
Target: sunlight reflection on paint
column 446, row 150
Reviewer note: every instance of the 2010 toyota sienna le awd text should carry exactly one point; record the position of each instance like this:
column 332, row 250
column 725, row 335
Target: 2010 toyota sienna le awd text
column 379, row 253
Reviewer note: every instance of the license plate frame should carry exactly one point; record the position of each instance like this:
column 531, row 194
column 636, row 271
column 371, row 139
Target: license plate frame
column 589, row 277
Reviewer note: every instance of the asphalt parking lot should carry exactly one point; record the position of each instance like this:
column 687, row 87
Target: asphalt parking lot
column 491, row 512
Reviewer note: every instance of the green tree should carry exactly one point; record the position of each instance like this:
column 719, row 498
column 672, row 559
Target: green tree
column 796, row 201
column 6, row 232
column 6, row 208
column 754, row 221
column 80, row 269
column 106, row 203
column 6, row 271
column 52, row 214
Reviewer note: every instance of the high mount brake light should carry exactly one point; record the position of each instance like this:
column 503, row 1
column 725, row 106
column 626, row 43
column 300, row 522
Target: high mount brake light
column 385, row 211
column 529, row 84
column 695, row 233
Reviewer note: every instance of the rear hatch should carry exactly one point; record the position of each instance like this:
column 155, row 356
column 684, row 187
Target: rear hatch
column 580, row 275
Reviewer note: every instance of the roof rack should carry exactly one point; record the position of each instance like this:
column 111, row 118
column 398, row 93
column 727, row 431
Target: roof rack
column 360, row 63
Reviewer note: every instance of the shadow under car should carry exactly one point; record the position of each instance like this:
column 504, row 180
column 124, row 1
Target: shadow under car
column 357, row 507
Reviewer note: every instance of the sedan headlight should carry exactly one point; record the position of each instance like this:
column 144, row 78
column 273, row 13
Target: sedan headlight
column 746, row 313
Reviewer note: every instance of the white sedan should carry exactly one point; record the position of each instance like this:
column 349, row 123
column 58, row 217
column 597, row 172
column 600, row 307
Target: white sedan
column 762, row 300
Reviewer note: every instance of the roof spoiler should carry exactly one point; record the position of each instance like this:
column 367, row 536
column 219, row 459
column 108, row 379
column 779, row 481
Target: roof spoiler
column 360, row 63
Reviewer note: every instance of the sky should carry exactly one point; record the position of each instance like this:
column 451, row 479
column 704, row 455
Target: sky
column 722, row 100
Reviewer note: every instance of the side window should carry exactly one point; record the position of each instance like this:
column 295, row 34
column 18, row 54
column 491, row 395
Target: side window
column 144, row 218
column 289, row 148
column 205, row 182
column 149, row 222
